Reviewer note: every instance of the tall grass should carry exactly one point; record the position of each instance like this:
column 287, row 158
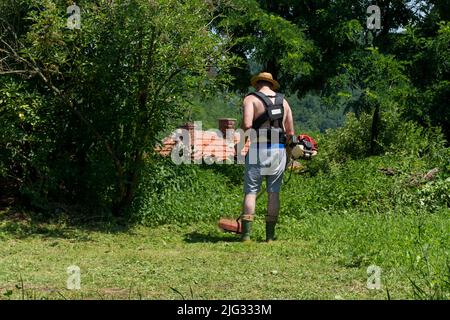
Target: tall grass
column 360, row 210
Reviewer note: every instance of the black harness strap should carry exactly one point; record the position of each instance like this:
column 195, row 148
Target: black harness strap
column 265, row 116
column 279, row 99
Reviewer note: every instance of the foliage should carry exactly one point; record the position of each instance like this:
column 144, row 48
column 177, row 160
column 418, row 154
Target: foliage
column 334, row 37
column 335, row 225
column 376, row 184
column 210, row 110
column 428, row 58
column 311, row 114
column 263, row 41
column 108, row 89
column 83, row 109
column 176, row 194
column 398, row 138
column 372, row 84
column 337, row 180
column 329, row 30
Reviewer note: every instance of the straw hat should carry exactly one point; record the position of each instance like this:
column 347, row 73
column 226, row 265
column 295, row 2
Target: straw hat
column 265, row 76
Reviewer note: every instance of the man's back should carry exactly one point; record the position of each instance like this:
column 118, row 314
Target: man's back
column 254, row 107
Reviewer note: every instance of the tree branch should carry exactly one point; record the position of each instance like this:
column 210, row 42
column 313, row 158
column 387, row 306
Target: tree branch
column 14, row 72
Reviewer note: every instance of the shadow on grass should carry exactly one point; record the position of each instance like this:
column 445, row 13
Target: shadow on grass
column 15, row 223
column 197, row 237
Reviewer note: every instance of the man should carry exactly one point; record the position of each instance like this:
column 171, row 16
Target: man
column 269, row 115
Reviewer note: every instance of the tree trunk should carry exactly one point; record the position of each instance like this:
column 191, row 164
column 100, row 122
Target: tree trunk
column 128, row 186
column 375, row 129
column 272, row 67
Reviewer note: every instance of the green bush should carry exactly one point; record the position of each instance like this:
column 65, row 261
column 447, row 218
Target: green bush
column 180, row 194
column 398, row 138
column 84, row 106
column 375, row 184
column 348, row 142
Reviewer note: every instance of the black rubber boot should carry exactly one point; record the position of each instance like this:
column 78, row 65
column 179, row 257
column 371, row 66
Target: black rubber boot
column 270, row 231
column 246, row 229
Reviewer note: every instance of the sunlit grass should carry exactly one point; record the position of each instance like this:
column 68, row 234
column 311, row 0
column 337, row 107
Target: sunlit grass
column 318, row 257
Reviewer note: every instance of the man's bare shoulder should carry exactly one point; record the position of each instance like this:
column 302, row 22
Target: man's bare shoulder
column 250, row 98
column 286, row 104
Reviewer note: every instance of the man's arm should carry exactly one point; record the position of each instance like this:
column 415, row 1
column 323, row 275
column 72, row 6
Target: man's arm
column 288, row 127
column 288, row 120
column 247, row 120
column 248, row 113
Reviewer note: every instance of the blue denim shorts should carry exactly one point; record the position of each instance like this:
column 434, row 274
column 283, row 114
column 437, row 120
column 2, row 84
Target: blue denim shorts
column 268, row 161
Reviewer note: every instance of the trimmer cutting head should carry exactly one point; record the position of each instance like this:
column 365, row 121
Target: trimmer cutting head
column 230, row 225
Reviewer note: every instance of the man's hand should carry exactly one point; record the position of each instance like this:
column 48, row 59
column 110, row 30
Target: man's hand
column 288, row 146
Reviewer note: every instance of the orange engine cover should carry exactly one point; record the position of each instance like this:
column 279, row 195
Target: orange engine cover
column 230, row 225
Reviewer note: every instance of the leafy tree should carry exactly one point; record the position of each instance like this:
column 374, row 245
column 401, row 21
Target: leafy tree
column 101, row 93
column 371, row 83
column 428, row 68
column 303, row 42
column 263, row 41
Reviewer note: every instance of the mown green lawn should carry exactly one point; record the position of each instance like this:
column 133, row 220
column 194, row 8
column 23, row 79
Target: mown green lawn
column 196, row 261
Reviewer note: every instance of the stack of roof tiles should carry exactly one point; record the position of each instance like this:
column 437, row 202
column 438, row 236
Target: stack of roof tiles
column 210, row 144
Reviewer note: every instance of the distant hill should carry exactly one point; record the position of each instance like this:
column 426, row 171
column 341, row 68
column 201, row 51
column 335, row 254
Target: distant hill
column 310, row 114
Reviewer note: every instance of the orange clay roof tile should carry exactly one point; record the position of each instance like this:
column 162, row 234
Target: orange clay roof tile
column 206, row 144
